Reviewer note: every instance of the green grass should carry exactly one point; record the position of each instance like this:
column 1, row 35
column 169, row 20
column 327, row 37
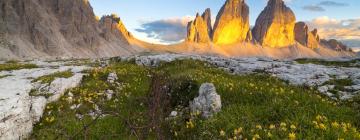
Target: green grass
column 14, row 65
column 51, row 77
column 3, row 76
column 351, row 63
column 250, row 103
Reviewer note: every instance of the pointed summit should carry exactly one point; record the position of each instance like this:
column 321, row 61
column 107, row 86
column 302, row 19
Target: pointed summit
column 207, row 18
column 112, row 24
column 232, row 23
column 305, row 37
column 198, row 30
column 275, row 25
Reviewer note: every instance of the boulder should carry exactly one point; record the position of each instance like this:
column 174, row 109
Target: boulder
column 208, row 102
column 112, row 77
column 275, row 25
column 305, row 37
column 232, row 23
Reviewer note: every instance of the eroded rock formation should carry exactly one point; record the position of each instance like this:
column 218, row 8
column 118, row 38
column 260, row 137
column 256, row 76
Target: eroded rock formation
column 305, row 37
column 232, row 23
column 275, row 25
column 334, row 44
column 198, row 30
column 207, row 18
column 56, row 28
column 113, row 25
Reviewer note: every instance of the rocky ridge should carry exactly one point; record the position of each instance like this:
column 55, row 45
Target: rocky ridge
column 198, row 30
column 56, row 28
column 112, row 25
column 305, row 37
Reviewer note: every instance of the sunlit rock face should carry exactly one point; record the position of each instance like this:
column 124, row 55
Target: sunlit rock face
column 305, row 37
column 275, row 25
column 232, row 23
column 112, row 24
column 198, row 30
column 207, row 18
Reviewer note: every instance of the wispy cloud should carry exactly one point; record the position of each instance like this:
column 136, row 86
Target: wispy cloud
column 332, row 3
column 166, row 30
column 314, row 8
column 319, row 7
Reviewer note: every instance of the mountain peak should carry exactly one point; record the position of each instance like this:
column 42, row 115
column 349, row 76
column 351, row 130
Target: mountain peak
column 232, row 23
column 275, row 25
column 199, row 30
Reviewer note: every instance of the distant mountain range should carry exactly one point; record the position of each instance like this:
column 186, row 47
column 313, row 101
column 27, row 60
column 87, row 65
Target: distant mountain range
column 69, row 29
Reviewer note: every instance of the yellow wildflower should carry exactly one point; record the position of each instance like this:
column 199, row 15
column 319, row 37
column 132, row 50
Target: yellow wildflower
column 189, row 124
column 292, row 136
column 269, row 134
column 322, row 126
column 256, row 136
column 222, row 133
column 335, row 124
column 271, row 126
column 293, row 127
column 282, row 124
column 258, row 127
column 238, row 131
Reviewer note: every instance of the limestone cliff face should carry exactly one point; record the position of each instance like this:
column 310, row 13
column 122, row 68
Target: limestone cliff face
column 275, row 25
column 334, row 44
column 232, row 23
column 198, row 30
column 55, row 28
column 112, row 25
column 207, row 18
column 305, row 37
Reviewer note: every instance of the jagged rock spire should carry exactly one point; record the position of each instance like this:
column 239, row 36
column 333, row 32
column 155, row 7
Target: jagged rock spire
column 199, row 30
column 232, row 23
column 113, row 24
column 305, row 37
column 275, row 25
column 207, row 18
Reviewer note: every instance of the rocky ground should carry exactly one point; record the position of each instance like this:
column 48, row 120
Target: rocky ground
column 23, row 98
column 311, row 75
column 18, row 110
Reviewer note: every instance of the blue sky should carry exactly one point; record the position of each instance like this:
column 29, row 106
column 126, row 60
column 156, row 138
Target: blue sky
column 136, row 13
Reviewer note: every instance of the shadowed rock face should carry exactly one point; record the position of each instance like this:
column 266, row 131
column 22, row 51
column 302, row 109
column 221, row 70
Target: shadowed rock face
column 112, row 25
column 55, row 28
column 198, row 30
column 305, row 37
column 275, row 25
column 232, row 23
column 334, row 44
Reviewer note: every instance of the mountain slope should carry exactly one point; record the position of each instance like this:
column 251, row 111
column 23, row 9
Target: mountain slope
column 56, row 28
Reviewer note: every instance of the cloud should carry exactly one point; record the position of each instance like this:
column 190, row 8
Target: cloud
column 346, row 30
column 166, row 30
column 333, row 3
column 320, row 6
column 313, row 8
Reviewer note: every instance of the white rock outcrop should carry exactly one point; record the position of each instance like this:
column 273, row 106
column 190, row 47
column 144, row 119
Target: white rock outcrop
column 18, row 110
column 208, row 102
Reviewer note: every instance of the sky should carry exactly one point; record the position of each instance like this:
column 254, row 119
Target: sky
column 164, row 21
